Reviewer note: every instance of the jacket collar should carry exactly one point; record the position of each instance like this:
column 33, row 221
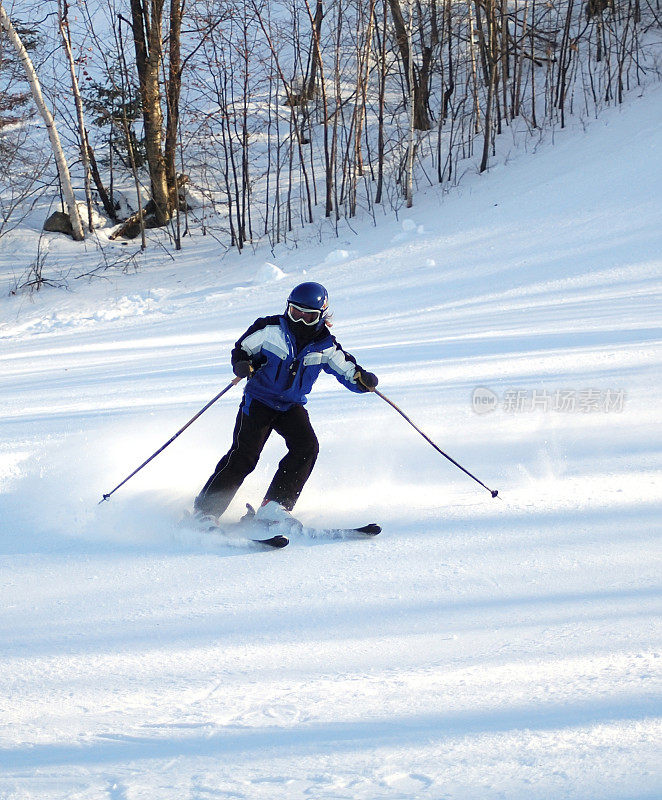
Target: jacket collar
column 299, row 345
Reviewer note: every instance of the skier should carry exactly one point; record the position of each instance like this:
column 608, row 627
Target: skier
column 282, row 357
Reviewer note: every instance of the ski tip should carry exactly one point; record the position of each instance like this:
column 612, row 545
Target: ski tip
column 372, row 529
column 274, row 541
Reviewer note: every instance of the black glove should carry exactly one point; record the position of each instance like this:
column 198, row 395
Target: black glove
column 243, row 369
column 367, row 381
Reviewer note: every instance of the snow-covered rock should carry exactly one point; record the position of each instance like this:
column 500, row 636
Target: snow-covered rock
column 268, row 273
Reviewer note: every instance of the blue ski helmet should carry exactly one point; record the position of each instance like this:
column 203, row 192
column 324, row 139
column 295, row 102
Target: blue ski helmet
column 308, row 303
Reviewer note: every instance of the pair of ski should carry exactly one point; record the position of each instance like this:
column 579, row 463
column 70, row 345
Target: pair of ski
column 248, row 526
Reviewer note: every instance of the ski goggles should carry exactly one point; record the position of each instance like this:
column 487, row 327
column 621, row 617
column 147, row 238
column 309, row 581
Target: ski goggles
column 306, row 315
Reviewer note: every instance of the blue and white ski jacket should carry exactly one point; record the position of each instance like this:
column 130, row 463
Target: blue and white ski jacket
column 284, row 374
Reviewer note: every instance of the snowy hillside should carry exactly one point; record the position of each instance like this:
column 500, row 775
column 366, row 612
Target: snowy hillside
column 476, row 649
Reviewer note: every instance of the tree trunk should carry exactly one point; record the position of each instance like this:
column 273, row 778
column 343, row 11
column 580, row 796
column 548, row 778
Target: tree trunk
column 409, row 179
column 381, row 107
column 316, row 23
column 310, row 87
column 418, row 80
column 149, row 50
column 82, row 131
column 173, row 91
column 101, row 189
column 60, row 159
column 493, row 65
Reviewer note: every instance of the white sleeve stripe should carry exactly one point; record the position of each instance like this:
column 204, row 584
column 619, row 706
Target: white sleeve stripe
column 269, row 338
column 273, row 347
column 335, row 358
column 313, row 358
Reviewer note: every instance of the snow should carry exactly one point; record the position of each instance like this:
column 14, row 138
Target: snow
column 269, row 273
column 477, row 648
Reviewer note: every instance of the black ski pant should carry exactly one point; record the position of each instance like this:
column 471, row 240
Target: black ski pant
column 251, row 431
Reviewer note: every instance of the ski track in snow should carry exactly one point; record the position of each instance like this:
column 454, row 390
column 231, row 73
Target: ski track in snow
column 477, row 648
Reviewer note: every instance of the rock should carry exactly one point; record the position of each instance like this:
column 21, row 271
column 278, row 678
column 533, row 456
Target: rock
column 59, row 222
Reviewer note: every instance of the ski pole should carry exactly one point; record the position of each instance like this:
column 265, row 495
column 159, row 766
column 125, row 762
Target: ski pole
column 493, row 492
column 232, row 383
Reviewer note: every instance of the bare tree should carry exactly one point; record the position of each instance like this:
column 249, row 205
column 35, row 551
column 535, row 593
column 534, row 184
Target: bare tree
column 409, row 178
column 375, row 96
column 418, row 73
column 146, row 26
column 37, row 96
column 491, row 52
column 63, row 24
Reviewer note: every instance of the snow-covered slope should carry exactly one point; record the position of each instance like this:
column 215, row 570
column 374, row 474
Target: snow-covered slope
column 478, row 648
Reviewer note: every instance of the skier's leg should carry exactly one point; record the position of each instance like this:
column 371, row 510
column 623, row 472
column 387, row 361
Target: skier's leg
column 302, row 449
column 252, row 428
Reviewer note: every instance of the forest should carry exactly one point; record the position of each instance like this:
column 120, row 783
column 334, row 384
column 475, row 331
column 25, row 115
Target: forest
column 251, row 121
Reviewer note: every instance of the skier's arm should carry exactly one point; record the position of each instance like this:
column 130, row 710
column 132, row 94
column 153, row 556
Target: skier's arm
column 343, row 367
column 246, row 355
